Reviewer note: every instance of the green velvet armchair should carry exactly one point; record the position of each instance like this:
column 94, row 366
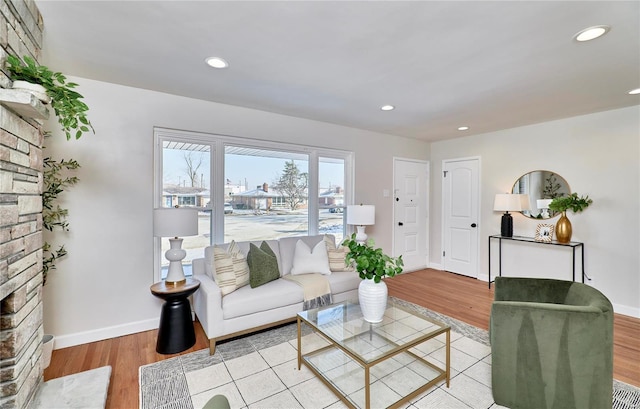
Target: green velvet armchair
column 551, row 345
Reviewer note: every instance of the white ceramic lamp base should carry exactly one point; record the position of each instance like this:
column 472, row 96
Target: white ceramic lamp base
column 175, row 255
column 361, row 236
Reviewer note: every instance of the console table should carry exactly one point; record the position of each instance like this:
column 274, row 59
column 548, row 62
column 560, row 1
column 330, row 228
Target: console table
column 572, row 244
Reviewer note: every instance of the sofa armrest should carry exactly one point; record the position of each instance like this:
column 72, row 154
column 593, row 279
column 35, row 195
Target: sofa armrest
column 207, row 303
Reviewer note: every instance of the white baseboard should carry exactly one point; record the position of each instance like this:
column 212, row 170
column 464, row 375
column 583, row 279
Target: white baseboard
column 626, row 310
column 435, row 266
column 100, row 334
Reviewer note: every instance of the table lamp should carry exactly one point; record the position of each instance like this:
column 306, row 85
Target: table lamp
column 543, row 204
column 361, row 216
column 507, row 202
column 173, row 222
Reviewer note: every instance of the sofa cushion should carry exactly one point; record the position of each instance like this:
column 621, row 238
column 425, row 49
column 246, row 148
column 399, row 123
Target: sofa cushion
column 342, row 281
column 244, row 247
column 272, row 295
column 231, row 268
column 337, row 256
column 263, row 265
column 288, row 247
column 307, row 260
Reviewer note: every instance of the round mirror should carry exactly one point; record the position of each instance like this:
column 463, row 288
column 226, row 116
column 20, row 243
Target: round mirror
column 542, row 186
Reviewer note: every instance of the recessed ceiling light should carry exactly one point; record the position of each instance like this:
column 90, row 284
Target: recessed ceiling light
column 463, row 128
column 591, row 33
column 387, row 107
column 634, row 91
column 217, row 62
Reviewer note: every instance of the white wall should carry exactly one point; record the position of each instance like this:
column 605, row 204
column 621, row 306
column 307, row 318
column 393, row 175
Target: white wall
column 101, row 289
column 598, row 155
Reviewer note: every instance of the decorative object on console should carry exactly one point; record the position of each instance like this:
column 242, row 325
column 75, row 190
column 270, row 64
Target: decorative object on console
column 572, row 202
column 173, row 222
column 372, row 266
column 544, row 233
column 507, row 202
column 361, row 216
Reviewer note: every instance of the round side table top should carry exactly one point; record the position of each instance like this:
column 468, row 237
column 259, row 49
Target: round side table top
column 163, row 288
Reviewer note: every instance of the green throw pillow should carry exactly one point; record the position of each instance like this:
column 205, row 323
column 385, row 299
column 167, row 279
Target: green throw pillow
column 263, row 265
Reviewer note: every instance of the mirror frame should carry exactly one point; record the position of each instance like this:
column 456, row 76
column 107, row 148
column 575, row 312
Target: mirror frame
column 542, row 181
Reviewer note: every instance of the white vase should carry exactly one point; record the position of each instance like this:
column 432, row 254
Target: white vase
column 38, row 90
column 47, row 350
column 373, row 300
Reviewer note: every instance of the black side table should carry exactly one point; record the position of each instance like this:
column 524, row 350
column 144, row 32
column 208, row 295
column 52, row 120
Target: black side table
column 176, row 332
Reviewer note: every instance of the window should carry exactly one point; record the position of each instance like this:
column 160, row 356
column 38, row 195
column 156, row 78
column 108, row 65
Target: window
column 248, row 189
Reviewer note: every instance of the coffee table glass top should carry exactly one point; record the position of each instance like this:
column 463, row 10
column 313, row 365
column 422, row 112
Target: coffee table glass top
column 344, row 325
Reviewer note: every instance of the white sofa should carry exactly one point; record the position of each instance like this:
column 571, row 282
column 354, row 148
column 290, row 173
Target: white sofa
column 249, row 309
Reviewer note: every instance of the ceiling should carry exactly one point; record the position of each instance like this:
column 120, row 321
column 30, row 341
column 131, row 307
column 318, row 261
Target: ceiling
column 442, row 64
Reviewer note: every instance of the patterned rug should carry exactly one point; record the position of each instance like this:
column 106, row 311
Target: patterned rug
column 260, row 371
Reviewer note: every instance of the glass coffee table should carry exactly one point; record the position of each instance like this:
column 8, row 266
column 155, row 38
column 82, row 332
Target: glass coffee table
column 383, row 364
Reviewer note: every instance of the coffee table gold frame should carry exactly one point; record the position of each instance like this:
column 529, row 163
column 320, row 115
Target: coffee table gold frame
column 443, row 374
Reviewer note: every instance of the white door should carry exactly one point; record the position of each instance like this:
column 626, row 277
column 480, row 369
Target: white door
column 410, row 215
column 460, row 185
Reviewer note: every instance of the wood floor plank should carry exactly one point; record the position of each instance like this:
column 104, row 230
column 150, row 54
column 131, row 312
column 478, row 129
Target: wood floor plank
column 460, row 297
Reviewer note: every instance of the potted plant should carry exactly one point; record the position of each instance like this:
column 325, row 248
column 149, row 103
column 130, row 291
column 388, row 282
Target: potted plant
column 561, row 204
column 66, row 102
column 372, row 265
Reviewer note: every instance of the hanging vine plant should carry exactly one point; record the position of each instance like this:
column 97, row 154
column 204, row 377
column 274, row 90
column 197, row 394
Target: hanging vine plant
column 65, row 101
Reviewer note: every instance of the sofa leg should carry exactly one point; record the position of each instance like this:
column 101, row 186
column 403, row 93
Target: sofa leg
column 212, row 346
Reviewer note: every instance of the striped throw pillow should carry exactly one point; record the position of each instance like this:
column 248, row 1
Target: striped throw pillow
column 337, row 256
column 231, row 268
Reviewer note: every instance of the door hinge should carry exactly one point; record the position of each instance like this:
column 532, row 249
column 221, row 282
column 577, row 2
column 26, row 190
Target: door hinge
column 443, row 254
column 445, row 173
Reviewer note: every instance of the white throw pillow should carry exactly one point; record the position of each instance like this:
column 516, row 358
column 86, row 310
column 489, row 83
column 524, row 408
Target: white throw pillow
column 231, row 268
column 307, row 261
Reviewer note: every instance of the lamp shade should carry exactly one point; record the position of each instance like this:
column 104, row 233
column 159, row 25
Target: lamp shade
column 506, row 202
column 175, row 222
column 361, row 215
column 543, row 203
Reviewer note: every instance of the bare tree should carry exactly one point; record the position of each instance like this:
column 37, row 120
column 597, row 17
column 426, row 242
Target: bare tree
column 292, row 184
column 193, row 165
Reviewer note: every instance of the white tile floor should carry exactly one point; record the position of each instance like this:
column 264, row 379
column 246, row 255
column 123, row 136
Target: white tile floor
column 270, row 378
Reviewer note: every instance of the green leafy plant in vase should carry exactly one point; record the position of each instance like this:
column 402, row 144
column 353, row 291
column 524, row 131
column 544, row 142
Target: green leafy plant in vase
column 372, row 265
column 571, row 202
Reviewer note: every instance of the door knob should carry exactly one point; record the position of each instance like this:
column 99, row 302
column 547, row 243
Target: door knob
column 473, row 225
column 400, row 224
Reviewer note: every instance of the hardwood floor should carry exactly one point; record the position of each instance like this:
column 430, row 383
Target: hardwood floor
column 464, row 298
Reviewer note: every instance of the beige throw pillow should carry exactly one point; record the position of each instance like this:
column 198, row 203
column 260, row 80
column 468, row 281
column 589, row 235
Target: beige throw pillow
column 337, row 256
column 231, row 268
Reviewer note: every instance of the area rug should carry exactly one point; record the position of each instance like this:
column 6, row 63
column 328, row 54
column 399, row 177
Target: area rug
column 260, row 371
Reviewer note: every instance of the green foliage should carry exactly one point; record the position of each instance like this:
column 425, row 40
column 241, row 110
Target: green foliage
column 53, row 216
column 551, row 187
column 66, row 102
column 293, row 184
column 371, row 262
column 572, row 202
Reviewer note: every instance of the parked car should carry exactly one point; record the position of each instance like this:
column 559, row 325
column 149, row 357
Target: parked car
column 228, row 208
column 336, row 210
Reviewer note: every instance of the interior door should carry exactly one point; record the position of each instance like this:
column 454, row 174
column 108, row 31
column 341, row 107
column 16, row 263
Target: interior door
column 460, row 216
column 411, row 224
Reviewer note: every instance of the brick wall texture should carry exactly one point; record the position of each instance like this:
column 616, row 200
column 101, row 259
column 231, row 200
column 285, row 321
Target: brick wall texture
column 20, row 220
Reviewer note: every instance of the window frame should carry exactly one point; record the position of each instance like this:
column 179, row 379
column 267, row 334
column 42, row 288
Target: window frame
column 217, row 144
